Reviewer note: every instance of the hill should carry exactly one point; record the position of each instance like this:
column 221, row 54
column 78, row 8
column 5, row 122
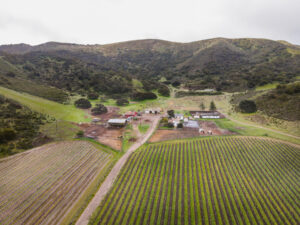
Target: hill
column 222, row 64
column 19, row 127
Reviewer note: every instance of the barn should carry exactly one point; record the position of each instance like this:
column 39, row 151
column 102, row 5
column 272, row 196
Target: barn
column 117, row 122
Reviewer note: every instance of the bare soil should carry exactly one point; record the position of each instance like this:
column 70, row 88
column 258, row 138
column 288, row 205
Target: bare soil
column 166, row 135
column 111, row 137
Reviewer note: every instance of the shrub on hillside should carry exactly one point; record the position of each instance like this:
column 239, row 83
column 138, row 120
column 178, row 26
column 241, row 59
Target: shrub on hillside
column 7, row 134
column 122, row 102
column 93, row 95
column 176, row 83
column 164, row 90
column 99, row 109
column 247, row 106
column 139, row 96
column 83, row 103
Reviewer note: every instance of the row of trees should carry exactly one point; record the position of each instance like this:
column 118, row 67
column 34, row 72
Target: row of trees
column 212, row 106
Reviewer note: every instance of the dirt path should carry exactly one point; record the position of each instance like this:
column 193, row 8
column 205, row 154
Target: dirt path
column 266, row 128
column 108, row 182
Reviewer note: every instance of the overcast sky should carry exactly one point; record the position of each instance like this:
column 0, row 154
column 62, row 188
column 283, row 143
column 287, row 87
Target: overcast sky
column 108, row 21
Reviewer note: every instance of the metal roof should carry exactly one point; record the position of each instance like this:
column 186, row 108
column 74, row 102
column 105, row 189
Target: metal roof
column 117, row 121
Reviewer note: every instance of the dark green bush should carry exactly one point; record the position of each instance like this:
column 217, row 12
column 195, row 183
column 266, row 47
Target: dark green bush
column 247, row 106
column 83, row 103
column 99, row 109
column 122, row 102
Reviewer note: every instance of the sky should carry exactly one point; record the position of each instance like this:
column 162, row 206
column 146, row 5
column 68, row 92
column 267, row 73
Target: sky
column 108, row 21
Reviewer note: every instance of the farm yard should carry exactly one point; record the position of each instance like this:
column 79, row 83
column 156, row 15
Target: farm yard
column 212, row 180
column 40, row 186
column 187, row 132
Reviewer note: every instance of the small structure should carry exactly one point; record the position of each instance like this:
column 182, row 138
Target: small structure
column 95, row 120
column 209, row 132
column 201, row 131
column 117, row 122
column 185, row 120
column 153, row 111
column 207, row 114
column 179, row 116
column 191, row 124
column 130, row 114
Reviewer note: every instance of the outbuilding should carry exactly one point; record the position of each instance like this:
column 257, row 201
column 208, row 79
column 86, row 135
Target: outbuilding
column 117, row 122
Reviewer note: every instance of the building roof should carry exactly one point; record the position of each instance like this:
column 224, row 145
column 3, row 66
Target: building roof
column 117, row 121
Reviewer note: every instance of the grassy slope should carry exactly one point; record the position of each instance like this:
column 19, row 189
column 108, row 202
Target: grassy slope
column 59, row 111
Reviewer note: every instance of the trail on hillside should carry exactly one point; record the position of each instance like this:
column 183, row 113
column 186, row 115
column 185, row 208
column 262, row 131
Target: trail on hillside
column 261, row 127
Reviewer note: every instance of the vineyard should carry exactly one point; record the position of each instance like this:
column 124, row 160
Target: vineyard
column 41, row 185
column 224, row 180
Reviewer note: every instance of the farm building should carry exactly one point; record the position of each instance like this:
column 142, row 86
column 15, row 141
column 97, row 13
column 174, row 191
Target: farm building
column 206, row 114
column 179, row 116
column 153, row 111
column 117, row 122
column 191, row 124
column 130, row 114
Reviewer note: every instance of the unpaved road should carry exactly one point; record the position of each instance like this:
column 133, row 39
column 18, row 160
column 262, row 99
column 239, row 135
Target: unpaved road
column 108, row 182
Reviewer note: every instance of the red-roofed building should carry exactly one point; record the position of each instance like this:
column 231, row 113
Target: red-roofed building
column 130, row 114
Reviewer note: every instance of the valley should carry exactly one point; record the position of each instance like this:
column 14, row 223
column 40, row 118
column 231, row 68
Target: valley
column 150, row 132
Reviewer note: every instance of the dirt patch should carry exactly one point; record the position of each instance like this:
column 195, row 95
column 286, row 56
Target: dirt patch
column 165, row 135
column 211, row 126
column 111, row 137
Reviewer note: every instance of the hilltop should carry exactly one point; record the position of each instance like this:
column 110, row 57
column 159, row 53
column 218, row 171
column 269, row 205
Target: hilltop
column 222, row 64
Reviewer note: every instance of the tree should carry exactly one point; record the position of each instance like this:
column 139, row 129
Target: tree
column 164, row 90
column 180, row 125
column 83, row 103
column 212, row 106
column 99, row 109
column 80, row 133
column 171, row 113
column 176, row 83
column 202, row 106
column 247, row 106
column 93, row 95
column 122, row 102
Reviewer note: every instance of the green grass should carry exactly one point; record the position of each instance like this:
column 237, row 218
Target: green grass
column 127, row 135
column 59, row 111
column 213, row 180
column 252, row 131
column 267, row 87
column 143, row 128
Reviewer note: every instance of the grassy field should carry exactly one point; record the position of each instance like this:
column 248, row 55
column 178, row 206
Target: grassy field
column 143, row 128
column 59, row 111
column 40, row 186
column 228, row 180
column 266, row 87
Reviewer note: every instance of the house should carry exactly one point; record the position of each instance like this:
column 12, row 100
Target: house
column 130, row 114
column 117, row 122
column 191, row 124
column 207, row 114
column 179, row 116
column 185, row 120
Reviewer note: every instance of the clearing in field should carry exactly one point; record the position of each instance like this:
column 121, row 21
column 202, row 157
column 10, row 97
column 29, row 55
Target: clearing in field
column 216, row 180
column 40, row 186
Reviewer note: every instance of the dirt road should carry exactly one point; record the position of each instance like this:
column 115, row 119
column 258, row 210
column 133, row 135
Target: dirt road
column 108, row 182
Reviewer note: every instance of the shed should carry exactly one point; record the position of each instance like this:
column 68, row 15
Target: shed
column 117, row 122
